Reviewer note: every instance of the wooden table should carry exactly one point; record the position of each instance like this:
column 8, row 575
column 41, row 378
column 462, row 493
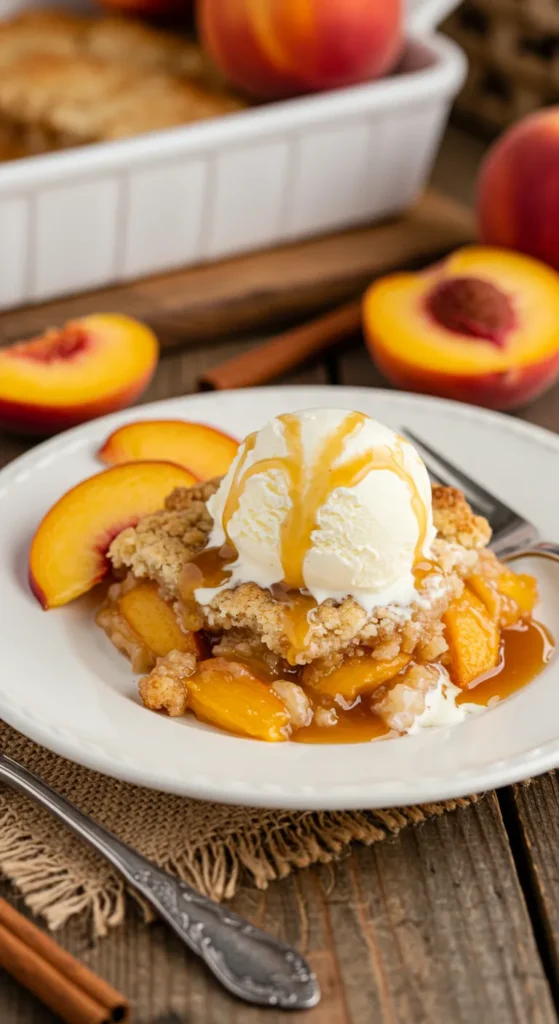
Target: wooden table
column 456, row 922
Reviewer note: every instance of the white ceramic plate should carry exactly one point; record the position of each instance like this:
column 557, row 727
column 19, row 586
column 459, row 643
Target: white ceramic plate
column 63, row 684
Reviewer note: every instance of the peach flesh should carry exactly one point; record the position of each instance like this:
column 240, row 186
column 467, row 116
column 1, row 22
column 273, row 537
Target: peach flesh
column 71, row 374
column 68, row 552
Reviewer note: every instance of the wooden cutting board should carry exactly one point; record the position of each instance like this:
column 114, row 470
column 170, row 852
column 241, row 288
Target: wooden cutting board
column 268, row 288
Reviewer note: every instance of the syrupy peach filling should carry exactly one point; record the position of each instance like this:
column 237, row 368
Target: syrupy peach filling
column 350, row 697
column 211, row 569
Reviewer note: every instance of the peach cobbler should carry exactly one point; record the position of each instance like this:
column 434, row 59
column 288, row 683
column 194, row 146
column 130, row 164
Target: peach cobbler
column 322, row 590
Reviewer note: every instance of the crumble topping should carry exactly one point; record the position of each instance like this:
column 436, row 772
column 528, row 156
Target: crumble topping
column 454, row 520
column 401, row 704
column 161, row 544
column 165, row 688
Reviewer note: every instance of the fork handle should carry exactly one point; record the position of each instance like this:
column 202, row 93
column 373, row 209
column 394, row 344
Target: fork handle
column 544, row 548
column 253, row 965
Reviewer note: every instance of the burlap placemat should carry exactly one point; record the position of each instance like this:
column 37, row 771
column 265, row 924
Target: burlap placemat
column 212, row 846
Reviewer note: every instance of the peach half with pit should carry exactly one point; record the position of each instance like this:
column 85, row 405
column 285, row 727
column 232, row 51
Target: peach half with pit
column 68, row 553
column 87, row 368
column 203, row 450
column 479, row 327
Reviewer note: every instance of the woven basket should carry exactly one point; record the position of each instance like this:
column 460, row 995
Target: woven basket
column 513, row 51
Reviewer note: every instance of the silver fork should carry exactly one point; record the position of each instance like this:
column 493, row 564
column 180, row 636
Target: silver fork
column 253, row 965
column 513, row 536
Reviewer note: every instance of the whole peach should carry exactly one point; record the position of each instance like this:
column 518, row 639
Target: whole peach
column 518, row 189
column 276, row 48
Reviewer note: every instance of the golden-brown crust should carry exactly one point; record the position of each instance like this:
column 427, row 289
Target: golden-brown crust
column 333, row 626
column 161, row 544
column 454, row 520
column 69, row 79
column 182, row 497
column 166, row 686
column 41, row 31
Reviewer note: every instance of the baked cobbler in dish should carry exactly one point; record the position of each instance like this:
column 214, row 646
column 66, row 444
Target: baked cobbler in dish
column 69, row 79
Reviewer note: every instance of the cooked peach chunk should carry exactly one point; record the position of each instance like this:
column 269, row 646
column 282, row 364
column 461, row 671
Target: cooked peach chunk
column 519, row 593
column 153, row 620
column 227, row 695
column 487, row 592
column 357, row 675
column 68, row 551
column 473, row 639
column 205, row 451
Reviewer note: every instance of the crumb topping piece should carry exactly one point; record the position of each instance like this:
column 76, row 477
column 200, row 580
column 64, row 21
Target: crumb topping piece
column 165, row 688
column 160, row 545
column 454, row 520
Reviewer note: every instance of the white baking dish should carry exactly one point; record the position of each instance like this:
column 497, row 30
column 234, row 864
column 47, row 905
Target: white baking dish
column 108, row 213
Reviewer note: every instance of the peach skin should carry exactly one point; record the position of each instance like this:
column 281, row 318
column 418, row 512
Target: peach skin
column 204, row 451
column 149, row 8
column 275, row 48
column 518, row 198
column 74, row 373
column 68, row 551
column 479, row 327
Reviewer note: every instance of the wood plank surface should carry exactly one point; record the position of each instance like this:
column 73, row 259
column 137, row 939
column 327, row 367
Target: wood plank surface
column 533, row 818
column 430, row 928
column 250, row 292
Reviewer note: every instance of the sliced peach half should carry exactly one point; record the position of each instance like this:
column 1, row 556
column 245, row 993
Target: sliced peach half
column 481, row 327
column 205, row 451
column 71, row 374
column 68, row 552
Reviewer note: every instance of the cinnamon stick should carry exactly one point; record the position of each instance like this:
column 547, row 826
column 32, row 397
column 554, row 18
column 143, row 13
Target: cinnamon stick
column 60, row 981
column 284, row 352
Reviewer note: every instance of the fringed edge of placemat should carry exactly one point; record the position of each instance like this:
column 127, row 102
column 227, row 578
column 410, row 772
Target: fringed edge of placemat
column 259, row 856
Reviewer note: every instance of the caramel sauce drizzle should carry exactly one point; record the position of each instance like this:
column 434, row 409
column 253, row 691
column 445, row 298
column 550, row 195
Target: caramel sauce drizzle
column 308, row 492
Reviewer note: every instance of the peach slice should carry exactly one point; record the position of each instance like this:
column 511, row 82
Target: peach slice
column 154, row 622
column 481, row 327
column 473, row 639
column 205, row 451
column 68, row 552
column 357, row 676
column 226, row 694
column 71, row 374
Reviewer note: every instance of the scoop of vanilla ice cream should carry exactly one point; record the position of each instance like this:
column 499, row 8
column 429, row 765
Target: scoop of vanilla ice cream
column 337, row 490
